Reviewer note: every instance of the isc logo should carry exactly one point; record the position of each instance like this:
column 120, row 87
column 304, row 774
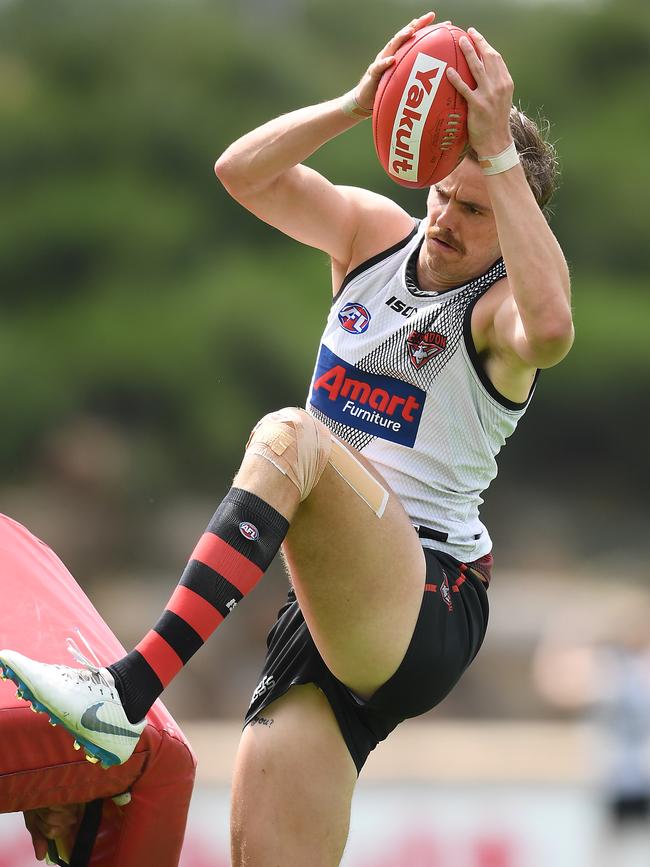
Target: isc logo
column 400, row 307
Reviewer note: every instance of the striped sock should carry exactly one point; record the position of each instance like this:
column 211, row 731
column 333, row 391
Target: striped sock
column 238, row 546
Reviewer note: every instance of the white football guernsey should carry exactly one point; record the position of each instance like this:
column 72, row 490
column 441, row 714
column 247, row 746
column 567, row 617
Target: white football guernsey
column 398, row 377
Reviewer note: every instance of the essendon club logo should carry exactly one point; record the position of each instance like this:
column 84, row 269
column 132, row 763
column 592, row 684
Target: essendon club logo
column 445, row 592
column 423, row 345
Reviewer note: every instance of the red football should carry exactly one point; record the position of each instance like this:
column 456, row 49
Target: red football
column 419, row 119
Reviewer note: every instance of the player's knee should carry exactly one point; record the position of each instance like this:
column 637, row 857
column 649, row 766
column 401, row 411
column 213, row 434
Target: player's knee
column 296, row 443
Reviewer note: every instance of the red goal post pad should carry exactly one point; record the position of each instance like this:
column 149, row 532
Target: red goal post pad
column 42, row 612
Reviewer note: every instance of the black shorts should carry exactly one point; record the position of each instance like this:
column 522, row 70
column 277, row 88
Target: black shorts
column 628, row 810
column 449, row 631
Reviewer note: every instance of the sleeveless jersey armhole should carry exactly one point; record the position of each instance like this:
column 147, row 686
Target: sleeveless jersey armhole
column 374, row 260
column 479, row 370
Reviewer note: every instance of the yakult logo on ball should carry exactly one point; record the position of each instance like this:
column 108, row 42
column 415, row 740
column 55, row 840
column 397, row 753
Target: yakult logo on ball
column 417, row 99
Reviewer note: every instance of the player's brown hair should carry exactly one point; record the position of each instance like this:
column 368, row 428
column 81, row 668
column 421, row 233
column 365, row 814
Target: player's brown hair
column 537, row 154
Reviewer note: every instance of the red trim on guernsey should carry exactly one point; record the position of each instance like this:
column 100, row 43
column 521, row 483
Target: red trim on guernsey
column 195, row 610
column 484, row 568
column 161, row 656
column 460, row 580
column 228, row 562
column 431, row 587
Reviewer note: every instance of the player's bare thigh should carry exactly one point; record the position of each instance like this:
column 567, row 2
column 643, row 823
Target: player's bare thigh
column 358, row 570
column 292, row 785
column 359, row 579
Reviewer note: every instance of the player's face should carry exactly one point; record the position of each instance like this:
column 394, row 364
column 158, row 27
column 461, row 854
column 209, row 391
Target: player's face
column 461, row 239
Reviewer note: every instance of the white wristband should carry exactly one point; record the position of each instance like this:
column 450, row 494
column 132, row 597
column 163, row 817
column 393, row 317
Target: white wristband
column 507, row 159
column 351, row 108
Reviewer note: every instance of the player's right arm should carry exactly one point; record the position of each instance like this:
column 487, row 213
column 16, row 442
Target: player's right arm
column 263, row 171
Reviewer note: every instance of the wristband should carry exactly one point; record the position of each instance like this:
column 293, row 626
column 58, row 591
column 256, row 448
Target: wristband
column 351, row 108
column 507, row 159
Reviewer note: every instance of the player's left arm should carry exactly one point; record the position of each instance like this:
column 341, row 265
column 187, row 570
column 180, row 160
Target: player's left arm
column 533, row 320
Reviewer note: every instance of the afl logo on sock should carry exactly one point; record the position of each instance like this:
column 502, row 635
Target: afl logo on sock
column 354, row 318
column 249, row 531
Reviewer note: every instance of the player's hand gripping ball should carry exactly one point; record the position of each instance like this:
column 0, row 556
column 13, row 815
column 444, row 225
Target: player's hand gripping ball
column 419, row 119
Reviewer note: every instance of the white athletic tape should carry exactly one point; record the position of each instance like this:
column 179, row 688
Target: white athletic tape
column 361, row 480
column 507, row 159
column 351, row 108
column 300, row 447
column 295, row 443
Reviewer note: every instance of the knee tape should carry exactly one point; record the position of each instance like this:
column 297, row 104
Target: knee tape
column 296, row 443
column 361, row 480
column 300, row 447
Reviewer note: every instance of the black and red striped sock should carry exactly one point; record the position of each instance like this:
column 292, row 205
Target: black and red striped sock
column 238, row 546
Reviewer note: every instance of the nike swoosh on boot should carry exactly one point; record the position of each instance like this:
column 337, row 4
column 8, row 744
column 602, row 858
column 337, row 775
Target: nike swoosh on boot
column 91, row 721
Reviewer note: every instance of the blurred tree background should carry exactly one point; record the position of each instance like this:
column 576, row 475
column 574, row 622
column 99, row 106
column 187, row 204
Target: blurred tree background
column 149, row 321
